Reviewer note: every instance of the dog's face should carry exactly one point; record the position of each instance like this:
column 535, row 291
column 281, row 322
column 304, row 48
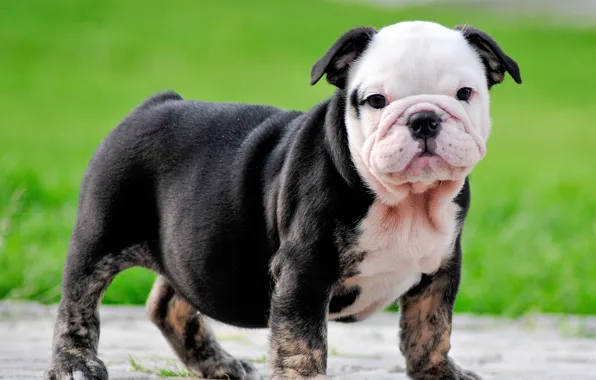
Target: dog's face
column 417, row 100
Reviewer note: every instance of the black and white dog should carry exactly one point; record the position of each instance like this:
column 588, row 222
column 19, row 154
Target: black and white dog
column 259, row 217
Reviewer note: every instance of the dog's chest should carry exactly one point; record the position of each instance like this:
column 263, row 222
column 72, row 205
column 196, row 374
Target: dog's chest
column 408, row 237
column 399, row 244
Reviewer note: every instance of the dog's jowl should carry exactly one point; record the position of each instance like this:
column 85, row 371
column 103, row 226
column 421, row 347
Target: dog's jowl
column 261, row 217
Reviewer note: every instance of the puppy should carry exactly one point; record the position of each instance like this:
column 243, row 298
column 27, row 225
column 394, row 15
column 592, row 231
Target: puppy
column 260, row 217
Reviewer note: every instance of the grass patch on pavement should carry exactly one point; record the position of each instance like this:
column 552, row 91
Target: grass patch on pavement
column 172, row 370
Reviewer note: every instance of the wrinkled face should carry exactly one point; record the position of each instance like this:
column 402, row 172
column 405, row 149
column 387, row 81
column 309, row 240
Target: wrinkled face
column 418, row 107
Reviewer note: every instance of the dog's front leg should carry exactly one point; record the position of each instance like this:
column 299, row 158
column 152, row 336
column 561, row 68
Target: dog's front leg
column 298, row 323
column 426, row 313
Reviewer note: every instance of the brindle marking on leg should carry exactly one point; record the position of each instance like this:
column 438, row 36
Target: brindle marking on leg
column 426, row 314
column 76, row 333
column 425, row 329
column 294, row 357
column 190, row 337
column 298, row 342
column 350, row 257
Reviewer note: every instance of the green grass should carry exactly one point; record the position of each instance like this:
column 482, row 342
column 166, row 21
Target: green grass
column 171, row 370
column 70, row 70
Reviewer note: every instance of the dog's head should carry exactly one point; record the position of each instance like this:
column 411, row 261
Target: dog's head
column 417, row 101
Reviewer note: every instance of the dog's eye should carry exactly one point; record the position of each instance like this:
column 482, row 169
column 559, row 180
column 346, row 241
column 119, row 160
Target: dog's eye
column 376, row 101
column 464, row 94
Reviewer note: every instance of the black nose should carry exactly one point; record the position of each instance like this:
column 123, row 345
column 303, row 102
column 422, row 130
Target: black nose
column 424, row 124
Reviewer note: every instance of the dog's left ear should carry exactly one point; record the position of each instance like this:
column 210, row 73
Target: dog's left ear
column 494, row 59
column 336, row 62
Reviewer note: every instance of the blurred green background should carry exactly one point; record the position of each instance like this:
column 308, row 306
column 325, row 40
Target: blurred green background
column 70, row 70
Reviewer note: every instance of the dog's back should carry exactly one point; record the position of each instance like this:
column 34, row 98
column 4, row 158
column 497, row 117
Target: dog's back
column 141, row 194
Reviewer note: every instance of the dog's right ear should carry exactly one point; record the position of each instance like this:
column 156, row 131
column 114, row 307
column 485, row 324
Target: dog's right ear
column 336, row 62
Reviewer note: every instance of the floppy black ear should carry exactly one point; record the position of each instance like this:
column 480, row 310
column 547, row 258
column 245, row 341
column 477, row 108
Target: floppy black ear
column 494, row 59
column 336, row 62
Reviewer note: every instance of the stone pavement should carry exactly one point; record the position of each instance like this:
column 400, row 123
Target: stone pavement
column 535, row 348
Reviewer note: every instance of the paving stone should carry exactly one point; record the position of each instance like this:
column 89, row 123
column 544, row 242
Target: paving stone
column 534, row 348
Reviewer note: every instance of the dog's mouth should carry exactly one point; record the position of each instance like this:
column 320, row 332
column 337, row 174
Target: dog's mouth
column 428, row 148
column 425, row 166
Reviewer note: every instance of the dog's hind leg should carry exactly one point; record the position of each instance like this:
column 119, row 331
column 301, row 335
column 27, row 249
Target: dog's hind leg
column 189, row 335
column 114, row 231
column 76, row 333
column 104, row 242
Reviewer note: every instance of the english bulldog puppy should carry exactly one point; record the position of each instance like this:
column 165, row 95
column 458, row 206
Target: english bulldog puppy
column 260, row 217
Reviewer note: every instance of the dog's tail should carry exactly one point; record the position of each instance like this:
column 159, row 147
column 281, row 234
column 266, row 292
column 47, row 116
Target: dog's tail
column 159, row 98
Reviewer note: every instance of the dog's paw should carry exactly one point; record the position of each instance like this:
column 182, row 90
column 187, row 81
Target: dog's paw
column 468, row 375
column 229, row 369
column 446, row 371
column 71, row 367
column 251, row 371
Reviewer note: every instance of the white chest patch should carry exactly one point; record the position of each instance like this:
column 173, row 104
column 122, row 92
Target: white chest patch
column 400, row 244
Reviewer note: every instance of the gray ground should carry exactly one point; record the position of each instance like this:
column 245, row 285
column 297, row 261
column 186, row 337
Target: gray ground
column 539, row 348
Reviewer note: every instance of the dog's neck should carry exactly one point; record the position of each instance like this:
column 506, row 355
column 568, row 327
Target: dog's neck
column 336, row 139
